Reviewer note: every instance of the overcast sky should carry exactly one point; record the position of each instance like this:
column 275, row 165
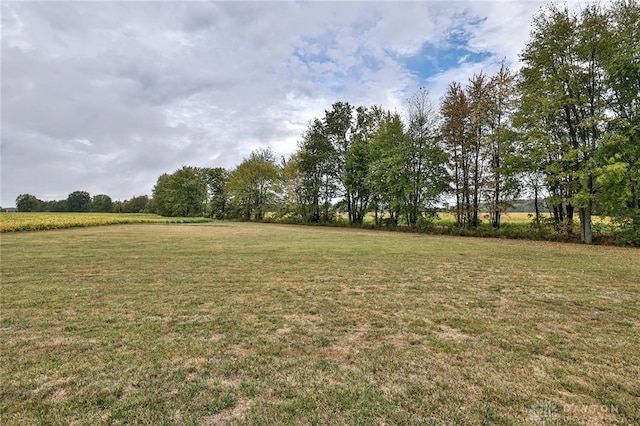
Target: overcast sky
column 104, row 97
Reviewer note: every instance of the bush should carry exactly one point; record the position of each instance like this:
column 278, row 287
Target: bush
column 628, row 235
column 426, row 224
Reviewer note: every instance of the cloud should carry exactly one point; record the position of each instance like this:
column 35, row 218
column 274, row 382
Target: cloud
column 107, row 96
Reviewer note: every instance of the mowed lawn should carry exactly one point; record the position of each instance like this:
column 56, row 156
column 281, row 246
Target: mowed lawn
column 239, row 323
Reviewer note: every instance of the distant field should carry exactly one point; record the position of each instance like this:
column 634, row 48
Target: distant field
column 516, row 217
column 263, row 324
column 38, row 221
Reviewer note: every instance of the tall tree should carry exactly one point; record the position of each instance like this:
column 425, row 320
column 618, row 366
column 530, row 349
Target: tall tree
column 563, row 86
column 79, row 201
column 477, row 91
column 27, row 203
column 293, row 194
column 254, row 186
column 338, row 126
column 135, row 204
column 101, row 203
column 386, row 168
column 182, row 193
column 216, row 180
column 357, row 162
column 424, row 168
column 455, row 134
column 619, row 174
column 318, row 167
column 501, row 183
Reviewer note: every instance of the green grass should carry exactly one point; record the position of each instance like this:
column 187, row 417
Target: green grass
column 247, row 323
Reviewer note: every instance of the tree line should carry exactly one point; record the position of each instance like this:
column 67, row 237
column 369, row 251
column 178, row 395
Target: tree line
column 82, row 201
column 564, row 129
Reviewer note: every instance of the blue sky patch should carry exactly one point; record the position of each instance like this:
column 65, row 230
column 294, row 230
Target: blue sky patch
column 434, row 59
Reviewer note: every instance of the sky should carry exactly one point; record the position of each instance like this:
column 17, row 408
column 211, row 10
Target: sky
column 106, row 96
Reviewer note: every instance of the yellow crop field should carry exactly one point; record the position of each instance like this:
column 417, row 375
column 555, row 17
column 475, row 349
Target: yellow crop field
column 14, row 222
column 519, row 217
column 514, row 217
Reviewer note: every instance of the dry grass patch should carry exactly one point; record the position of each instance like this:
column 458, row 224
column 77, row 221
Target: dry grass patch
column 271, row 324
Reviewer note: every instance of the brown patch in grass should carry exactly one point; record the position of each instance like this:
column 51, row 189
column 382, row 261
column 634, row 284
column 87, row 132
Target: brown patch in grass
column 227, row 416
column 504, row 303
column 47, row 385
column 451, row 333
column 216, row 337
column 284, row 330
column 239, row 350
column 195, row 363
column 58, row 395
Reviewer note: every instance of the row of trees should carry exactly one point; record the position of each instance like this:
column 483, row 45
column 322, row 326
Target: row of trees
column 352, row 160
column 564, row 129
column 81, row 201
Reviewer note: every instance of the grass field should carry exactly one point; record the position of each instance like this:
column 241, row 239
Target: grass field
column 245, row 323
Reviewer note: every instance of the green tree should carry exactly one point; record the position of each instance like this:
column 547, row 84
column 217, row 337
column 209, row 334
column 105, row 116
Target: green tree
column 183, row 193
column 101, row 203
column 254, row 186
column 27, row 203
column 333, row 161
column 501, row 183
column 54, row 206
column 424, row 174
column 79, row 201
column 563, row 87
column 317, row 162
column 619, row 158
column 357, row 159
column 455, row 130
column 338, row 127
column 134, row 205
column 387, row 168
column 216, row 180
column 293, row 196
column 478, row 96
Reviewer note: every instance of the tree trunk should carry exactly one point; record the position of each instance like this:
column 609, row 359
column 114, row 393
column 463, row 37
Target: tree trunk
column 585, row 216
column 535, row 203
column 585, row 223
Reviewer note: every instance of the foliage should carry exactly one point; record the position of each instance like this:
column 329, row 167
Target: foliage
column 424, row 176
column 216, row 180
column 454, row 130
column 316, row 184
column 254, row 185
column 478, row 134
column 54, row 206
column 386, row 169
column 371, row 162
column 134, row 205
column 27, row 203
column 619, row 157
column 101, row 203
column 579, row 100
column 79, row 201
column 182, row 193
